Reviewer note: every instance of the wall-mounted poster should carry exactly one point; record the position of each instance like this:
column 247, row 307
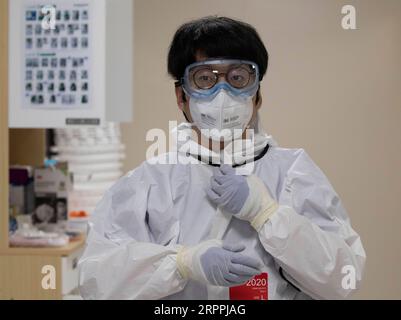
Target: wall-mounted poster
column 71, row 62
column 56, row 61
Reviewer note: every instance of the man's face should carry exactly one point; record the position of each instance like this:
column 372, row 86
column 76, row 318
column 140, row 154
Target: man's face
column 183, row 100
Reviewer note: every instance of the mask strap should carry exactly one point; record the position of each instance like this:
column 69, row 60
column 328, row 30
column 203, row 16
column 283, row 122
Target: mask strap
column 185, row 116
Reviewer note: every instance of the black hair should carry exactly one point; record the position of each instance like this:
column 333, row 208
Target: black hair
column 215, row 37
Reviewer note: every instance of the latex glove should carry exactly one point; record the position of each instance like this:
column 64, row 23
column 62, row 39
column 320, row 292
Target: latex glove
column 228, row 190
column 212, row 263
column 245, row 197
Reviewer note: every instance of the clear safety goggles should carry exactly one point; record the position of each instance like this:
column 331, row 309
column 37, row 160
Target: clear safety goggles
column 203, row 80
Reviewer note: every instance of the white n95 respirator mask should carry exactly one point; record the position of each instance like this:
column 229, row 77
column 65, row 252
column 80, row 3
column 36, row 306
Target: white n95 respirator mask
column 222, row 118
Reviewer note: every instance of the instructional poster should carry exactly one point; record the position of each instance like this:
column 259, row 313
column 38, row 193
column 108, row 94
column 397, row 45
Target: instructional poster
column 56, row 62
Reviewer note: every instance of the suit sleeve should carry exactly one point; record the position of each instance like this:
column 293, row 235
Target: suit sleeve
column 122, row 259
column 310, row 235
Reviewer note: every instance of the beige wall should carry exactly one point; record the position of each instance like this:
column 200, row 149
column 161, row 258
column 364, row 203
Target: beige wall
column 335, row 93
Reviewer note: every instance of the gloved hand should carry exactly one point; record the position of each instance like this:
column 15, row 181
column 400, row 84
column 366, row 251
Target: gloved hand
column 220, row 265
column 228, row 190
column 245, row 197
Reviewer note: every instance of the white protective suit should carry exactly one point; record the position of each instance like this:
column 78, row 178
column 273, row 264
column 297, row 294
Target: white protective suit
column 145, row 218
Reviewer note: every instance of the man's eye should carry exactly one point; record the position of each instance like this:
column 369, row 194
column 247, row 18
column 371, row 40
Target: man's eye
column 204, row 78
column 237, row 78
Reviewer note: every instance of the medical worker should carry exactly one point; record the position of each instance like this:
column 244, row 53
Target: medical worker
column 228, row 205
